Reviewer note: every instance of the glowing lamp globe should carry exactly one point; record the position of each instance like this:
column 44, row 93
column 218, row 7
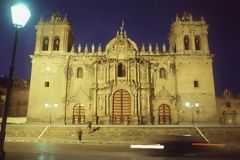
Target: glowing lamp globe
column 20, row 15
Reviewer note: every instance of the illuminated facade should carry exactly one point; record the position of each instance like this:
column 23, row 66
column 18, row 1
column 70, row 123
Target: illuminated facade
column 122, row 84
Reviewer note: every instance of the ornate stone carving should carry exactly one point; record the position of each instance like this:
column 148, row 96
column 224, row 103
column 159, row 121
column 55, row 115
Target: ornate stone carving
column 121, row 46
column 164, row 94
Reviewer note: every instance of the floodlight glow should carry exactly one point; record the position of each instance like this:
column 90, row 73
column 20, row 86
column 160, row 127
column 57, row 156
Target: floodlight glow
column 20, row 15
column 196, row 104
column 46, row 105
column 48, row 68
column 187, row 104
column 55, row 105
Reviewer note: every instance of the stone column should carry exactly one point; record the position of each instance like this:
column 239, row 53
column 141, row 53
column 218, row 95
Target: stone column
column 150, row 110
column 39, row 42
column 115, row 74
column 127, row 71
column 110, row 107
column 138, row 104
column 64, row 42
column 107, row 71
column 148, row 73
column 95, row 98
column 50, row 43
column 138, row 73
column 193, row 48
column 135, row 116
column 204, row 42
column 106, row 116
column 180, row 43
column 135, row 104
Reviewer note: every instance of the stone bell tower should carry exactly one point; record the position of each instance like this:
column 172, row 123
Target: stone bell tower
column 188, row 36
column 54, row 40
column 54, row 35
column 188, row 41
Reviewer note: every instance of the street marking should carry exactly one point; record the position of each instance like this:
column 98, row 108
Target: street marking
column 202, row 135
column 148, row 146
column 44, row 131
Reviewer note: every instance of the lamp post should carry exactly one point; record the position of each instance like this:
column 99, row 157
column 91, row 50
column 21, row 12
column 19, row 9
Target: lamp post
column 48, row 106
column 20, row 16
column 193, row 107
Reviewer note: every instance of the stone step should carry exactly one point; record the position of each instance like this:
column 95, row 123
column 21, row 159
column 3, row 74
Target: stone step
column 129, row 133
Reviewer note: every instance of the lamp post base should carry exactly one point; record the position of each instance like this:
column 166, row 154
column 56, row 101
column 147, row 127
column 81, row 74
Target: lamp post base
column 2, row 139
column 2, row 155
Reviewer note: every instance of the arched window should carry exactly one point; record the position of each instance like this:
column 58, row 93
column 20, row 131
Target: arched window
column 197, row 43
column 80, row 72
column 162, row 73
column 186, row 43
column 45, row 43
column 121, row 70
column 56, row 43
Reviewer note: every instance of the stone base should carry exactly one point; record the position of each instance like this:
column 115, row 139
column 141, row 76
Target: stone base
column 94, row 120
column 135, row 120
column 149, row 120
column 104, row 120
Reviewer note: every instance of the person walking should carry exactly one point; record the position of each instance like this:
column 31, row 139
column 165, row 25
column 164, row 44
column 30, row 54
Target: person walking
column 89, row 127
column 79, row 134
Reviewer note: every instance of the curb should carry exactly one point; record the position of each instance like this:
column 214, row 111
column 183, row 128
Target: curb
column 66, row 141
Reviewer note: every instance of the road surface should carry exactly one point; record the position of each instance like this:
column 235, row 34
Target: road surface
column 51, row 151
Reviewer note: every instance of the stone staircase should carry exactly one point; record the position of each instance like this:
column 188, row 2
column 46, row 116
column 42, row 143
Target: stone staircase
column 26, row 131
column 122, row 134
column 225, row 134
column 99, row 133
column 136, row 134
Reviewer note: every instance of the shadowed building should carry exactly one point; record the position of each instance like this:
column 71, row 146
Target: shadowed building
column 228, row 108
column 19, row 97
column 122, row 84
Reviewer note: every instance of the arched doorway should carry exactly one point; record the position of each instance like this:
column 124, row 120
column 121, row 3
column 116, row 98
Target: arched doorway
column 78, row 114
column 164, row 114
column 121, row 107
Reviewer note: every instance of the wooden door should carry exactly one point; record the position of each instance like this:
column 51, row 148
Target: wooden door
column 164, row 114
column 78, row 114
column 121, row 107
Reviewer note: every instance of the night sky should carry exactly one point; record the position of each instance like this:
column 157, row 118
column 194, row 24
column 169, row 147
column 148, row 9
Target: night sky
column 96, row 21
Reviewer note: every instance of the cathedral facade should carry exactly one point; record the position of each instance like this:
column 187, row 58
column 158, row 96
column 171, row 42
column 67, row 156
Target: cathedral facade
column 122, row 84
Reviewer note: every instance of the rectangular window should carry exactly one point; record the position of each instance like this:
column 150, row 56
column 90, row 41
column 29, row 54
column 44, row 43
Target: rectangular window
column 196, row 84
column 46, row 84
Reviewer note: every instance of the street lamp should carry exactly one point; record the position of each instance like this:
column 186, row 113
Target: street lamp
column 48, row 106
column 192, row 106
column 20, row 16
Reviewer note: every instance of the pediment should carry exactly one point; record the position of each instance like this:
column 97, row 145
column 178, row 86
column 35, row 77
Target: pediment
column 164, row 94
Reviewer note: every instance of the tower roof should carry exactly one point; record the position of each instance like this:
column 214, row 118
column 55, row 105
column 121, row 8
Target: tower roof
column 56, row 18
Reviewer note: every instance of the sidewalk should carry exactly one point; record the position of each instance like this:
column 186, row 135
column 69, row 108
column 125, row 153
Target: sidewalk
column 66, row 141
